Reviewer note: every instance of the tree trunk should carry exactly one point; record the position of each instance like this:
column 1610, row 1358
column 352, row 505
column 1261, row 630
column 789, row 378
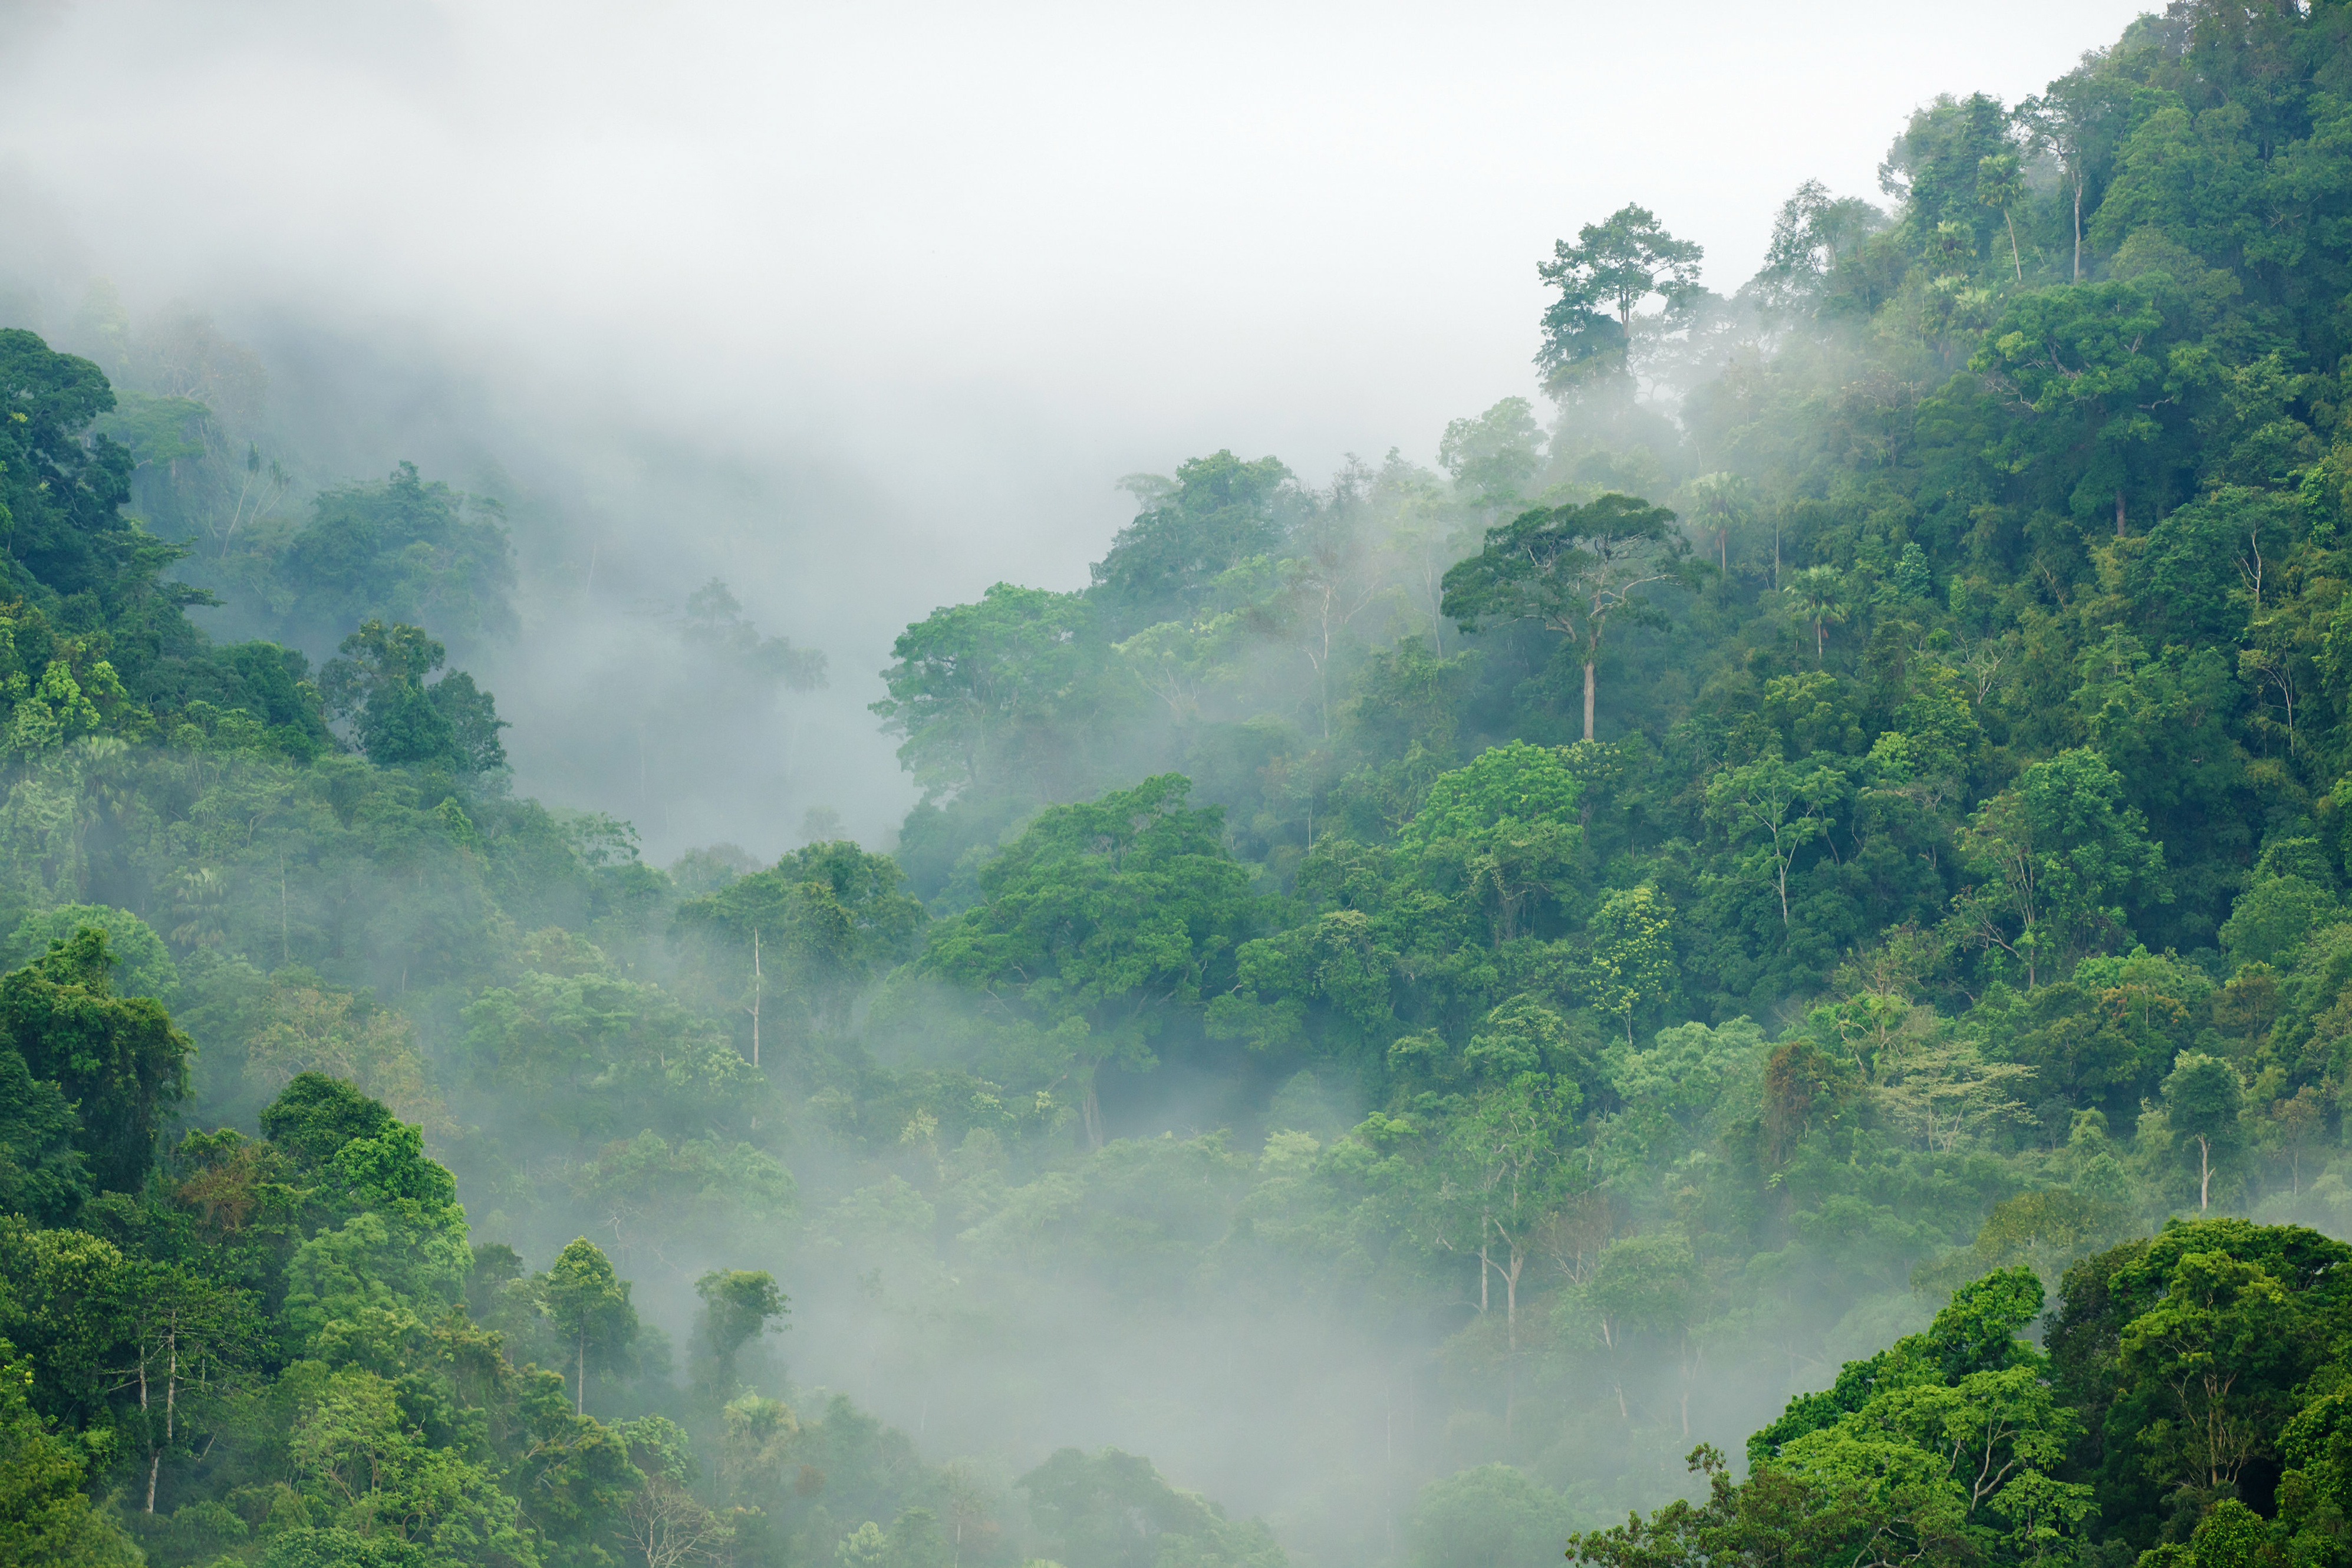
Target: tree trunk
column 2078, row 227
column 2120, row 513
column 1588, row 700
column 1090, row 1114
column 755, row 996
column 170, row 1410
column 154, row 1452
column 2204, row 1172
column 1511, row 1339
column 580, row 1382
column 2013, row 261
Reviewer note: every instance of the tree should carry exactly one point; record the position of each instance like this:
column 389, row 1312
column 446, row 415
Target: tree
column 2206, row 1344
column 2093, row 363
column 1571, row 569
column 2203, row 1101
column 61, row 496
column 713, row 620
column 737, row 1306
column 2077, row 120
column 1099, row 922
column 2001, row 186
column 1719, row 502
column 1494, row 457
column 46, row 1519
column 1632, row 958
column 1504, row 1168
column 1643, row 1289
column 1113, row 1510
column 1818, row 595
column 1492, row 1516
column 403, row 549
column 2058, row 854
column 1603, row 279
column 120, row 1059
column 1782, row 806
column 823, row 921
column 984, row 694
column 1812, row 233
column 189, row 1335
column 1502, row 830
column 589, row 1305
column 377, row 683
column 1219, row 513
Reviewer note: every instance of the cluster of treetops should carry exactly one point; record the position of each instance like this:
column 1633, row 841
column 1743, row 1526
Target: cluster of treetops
column 1857, row 803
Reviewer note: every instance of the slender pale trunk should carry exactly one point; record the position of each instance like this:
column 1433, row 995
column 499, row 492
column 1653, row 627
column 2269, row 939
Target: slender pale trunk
column 2078, row 228
column 755, row 996
column 154, row 1450
column 1090, row 1114
column 1588, row 700
column 2013, row 261
column 580, row 1382
column 2204, row 1172
column 1511, row 1337
column 2120, row 513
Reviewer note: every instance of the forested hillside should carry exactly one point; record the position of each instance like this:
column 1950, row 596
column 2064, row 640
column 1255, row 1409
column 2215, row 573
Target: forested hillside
column 1796, row 886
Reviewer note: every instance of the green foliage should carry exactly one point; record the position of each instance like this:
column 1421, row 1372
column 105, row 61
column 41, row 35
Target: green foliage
column 1956, row 895
column 1112, row 1509
column 399, row 550
column 45, row 1520
column 1219, row 513
column 981, row 693
column 117, row 1058
column 1098, row 918
column 399, row 722
column 1603, row 279
column 589, row 1305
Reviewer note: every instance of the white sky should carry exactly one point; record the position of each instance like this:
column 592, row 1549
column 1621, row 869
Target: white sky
column 1142, row 229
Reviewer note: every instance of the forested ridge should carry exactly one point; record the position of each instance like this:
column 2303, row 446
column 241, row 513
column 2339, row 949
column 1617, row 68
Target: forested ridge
column 1766, row 946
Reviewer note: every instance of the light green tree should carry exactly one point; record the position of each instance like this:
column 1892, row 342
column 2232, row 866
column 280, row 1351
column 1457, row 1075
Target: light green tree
column 1779, row 807
column 1632, row 960
column 589, row 1305
column 2202, row 1100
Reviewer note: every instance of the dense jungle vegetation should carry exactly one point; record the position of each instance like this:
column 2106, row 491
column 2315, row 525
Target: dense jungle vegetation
column 1806, row 892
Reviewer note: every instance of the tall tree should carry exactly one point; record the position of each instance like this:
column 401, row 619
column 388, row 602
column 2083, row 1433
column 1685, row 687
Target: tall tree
column 589, row 1305
column 1571, row 569
column 1603, row 279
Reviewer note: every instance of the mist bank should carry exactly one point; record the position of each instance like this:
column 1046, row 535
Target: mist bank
column 1441, row 1004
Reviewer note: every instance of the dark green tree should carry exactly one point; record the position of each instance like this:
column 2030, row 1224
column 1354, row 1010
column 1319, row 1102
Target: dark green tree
column 118, row 1060
column 1571, row 570
column 1603, row 279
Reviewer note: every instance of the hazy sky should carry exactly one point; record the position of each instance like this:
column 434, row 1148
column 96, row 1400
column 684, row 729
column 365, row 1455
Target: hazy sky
column 973, row 262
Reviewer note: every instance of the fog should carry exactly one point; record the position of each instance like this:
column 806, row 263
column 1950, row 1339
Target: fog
column 861, row 309
column 864, row 308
